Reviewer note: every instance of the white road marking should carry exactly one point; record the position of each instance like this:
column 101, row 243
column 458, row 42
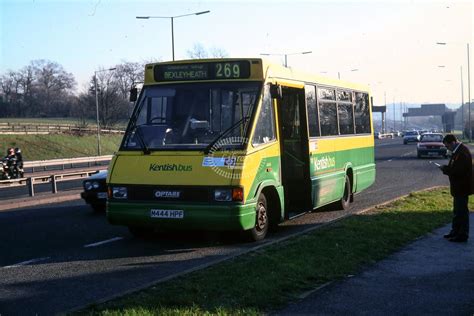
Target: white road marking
column 103, row 242
column 24, row 263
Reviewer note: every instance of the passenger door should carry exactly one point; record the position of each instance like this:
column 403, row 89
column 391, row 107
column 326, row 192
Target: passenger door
column 294, row 151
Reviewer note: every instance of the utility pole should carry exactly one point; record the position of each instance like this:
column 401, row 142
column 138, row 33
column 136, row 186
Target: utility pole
column 462, row 107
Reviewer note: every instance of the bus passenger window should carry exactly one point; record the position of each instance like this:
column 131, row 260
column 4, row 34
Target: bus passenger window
column 312, row 108
column 346, row 118
column 328, row 118
column 326, row 94
column 361, row 113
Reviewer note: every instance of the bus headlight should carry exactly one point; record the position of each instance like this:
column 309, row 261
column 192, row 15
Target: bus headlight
column 227, row 195
column 223, row 195
column 119, row 193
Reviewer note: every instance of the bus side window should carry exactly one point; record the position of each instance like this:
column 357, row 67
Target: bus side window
column 361, row 113
column 265, row 128
column 328, row 118
column 312, row 108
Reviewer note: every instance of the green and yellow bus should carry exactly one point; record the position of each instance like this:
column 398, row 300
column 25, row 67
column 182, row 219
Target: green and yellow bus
column 238, row 145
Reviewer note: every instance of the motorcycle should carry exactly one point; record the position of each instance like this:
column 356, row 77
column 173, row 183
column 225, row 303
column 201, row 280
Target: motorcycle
column 11, row 168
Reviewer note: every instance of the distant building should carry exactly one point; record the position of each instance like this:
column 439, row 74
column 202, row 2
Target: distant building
column 427, row 110
column 447, row 115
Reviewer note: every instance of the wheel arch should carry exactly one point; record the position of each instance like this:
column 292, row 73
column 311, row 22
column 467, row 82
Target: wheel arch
column 349, row 171
column 274, row 198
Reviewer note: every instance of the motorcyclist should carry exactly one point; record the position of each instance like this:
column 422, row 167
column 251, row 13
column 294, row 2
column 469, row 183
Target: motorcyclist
column 19, row 162
column 7, row 163
column 10, row 168
column 10, row 153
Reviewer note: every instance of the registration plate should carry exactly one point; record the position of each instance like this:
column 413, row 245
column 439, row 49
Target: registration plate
column 167, row 213
column 101, row 195
column 432, row 154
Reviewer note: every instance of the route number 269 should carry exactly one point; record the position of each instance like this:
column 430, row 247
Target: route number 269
column 227, row 70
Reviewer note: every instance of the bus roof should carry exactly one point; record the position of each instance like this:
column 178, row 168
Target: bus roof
column 187, row 70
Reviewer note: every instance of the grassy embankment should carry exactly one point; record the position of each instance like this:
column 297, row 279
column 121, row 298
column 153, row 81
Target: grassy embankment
column 61, row 120
column 270, row 278
column 55, row 146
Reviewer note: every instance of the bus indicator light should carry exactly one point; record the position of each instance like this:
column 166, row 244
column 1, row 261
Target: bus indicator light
column 237, row 194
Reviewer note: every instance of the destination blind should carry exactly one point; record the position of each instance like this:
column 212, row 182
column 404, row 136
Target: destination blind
column 203, row 71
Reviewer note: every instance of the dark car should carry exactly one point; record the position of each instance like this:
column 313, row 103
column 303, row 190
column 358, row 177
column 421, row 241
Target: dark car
column 431, row 145
column 95, row 191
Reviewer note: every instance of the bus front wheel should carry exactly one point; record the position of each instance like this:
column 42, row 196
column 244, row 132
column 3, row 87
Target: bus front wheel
column 259, row 231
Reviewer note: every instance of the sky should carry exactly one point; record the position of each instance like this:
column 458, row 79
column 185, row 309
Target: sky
column 392, row 44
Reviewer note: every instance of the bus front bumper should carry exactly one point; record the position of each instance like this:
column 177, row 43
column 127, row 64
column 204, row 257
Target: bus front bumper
column 212, row 217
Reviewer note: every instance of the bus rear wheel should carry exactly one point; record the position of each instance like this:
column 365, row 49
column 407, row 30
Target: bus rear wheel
column 259, row 231
column 345, row 201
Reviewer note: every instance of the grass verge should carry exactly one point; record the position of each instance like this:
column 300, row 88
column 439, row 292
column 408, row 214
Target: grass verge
column 272, row 277
column 57, row 120
column 55, row 146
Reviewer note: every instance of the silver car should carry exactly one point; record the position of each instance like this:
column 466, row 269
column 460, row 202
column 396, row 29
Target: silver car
column 411, row 137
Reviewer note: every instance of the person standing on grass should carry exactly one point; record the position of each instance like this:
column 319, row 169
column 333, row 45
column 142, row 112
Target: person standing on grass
column 459, row 171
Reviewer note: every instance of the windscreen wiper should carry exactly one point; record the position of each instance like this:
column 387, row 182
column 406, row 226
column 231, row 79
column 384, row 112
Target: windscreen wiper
column 224, row 133
column 137, row 131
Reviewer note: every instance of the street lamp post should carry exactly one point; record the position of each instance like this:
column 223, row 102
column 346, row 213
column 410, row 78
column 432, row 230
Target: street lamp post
column 462, row 100
column 469, row 92
column 97, row 106
column 468, row 88
column 462, row 105
column 286, row 55
column 172, row 23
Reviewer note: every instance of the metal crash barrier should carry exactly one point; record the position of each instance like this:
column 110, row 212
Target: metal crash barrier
column 30, row 182
column 61, row 164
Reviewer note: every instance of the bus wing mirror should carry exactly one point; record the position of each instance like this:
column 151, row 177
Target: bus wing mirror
column 276, row 92
column 133, row 94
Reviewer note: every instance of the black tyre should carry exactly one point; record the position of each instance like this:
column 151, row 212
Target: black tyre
column 345, row 201
column 262, row 223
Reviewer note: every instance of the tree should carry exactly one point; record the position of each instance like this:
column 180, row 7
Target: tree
column 42, row 88
column 199, row 52
column 113, row 89
column 52, row 87
column 218, row 53
column 128, row 74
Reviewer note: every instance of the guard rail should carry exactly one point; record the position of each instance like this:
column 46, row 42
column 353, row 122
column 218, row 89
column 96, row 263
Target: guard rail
column 30, row 182
column 62, row 163
column 38, row 128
